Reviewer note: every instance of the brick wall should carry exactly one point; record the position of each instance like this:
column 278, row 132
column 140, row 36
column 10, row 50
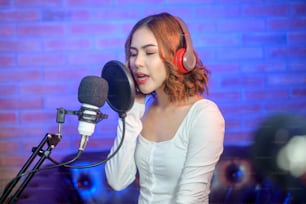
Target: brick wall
column 256, row 51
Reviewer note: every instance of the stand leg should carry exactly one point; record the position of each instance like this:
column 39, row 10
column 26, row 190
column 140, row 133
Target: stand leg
column 11, row 185
column 15, row 197
column 38, row 151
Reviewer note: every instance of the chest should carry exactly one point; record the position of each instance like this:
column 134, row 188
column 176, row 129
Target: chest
column 164, row 160
column 161, row 126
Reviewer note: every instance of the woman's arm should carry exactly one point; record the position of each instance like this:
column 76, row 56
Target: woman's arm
column 205, row 146
column 121, row 169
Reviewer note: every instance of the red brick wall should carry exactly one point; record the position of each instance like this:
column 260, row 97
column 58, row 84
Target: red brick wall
column 256, row 51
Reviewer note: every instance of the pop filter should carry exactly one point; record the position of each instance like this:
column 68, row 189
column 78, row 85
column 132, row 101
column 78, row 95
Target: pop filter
column 121, row 92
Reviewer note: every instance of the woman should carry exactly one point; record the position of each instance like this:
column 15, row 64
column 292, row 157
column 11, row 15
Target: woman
column 174, row 137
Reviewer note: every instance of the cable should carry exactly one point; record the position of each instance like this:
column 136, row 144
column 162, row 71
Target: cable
column 103, row 161
column 37, row 170
column 66, row 164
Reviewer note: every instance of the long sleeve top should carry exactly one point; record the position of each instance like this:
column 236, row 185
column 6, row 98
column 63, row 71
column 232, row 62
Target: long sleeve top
column 176, row 171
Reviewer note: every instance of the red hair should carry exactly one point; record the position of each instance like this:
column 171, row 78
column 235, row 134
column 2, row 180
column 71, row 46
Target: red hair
column 169, row 37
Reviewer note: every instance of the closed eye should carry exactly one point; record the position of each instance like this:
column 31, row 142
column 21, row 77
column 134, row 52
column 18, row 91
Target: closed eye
column 133, row 52
column 151, row 53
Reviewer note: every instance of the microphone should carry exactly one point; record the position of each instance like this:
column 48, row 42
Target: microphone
column 92, row 93
column 121, row 93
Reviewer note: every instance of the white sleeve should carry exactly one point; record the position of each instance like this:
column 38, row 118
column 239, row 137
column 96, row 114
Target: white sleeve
column 206, row 134
column 120, row 170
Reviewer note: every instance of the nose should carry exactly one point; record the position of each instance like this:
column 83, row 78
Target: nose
column 139, row 60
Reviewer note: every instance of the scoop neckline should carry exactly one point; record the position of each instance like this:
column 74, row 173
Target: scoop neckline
column 178, row 129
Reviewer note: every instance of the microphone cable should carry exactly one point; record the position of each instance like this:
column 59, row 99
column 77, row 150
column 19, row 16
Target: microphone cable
column 66, row 164
column 98, row 163
column 16, row 178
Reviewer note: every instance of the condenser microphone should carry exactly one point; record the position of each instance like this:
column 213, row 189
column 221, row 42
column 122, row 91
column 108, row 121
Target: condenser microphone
column 92, row 94
column 121, row 93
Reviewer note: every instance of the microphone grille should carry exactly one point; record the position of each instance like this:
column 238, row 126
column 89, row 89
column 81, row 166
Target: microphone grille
column 93, row 90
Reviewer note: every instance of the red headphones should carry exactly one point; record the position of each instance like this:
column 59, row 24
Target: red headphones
column 184, row 58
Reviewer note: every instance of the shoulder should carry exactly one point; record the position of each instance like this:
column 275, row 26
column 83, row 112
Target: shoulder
column 205, row 104
column 206, row 110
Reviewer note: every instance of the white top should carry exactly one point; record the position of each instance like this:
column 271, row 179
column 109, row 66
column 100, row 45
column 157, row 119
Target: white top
column 175, row 171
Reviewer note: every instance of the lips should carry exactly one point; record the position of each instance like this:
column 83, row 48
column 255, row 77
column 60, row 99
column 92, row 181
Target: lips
column 141, row 78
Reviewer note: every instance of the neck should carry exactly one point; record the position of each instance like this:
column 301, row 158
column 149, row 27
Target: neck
column 162, row 99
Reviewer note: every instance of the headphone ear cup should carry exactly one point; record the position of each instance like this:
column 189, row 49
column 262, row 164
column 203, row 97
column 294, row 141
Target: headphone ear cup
column 179, row 59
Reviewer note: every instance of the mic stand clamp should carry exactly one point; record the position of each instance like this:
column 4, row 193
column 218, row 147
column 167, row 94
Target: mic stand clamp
column 61, row 112
column 83, row 116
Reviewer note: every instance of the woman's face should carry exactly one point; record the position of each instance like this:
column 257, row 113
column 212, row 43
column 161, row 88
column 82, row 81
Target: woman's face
column 145, row 62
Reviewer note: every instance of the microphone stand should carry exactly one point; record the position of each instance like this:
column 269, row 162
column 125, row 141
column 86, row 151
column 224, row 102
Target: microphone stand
column 52, row 140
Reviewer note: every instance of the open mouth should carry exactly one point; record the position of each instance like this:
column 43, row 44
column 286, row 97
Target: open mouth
column 141, row 77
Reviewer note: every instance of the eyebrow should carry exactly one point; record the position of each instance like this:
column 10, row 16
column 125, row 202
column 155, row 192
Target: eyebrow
column 144, row 47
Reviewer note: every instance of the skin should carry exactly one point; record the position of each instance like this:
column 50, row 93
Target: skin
column 163, row 117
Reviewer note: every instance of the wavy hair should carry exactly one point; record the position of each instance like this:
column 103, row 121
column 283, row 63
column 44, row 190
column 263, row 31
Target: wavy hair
column 169, row 37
